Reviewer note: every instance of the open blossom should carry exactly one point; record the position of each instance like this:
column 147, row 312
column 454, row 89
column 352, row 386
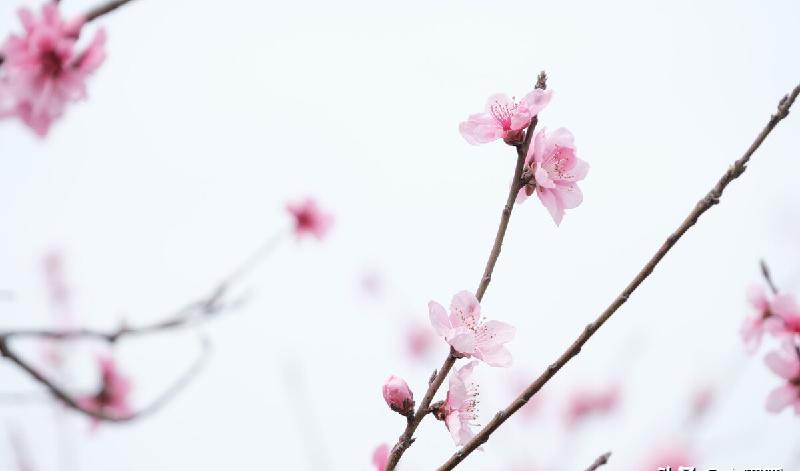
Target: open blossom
column 380, row 457
column 778, row 316
column 555, row 171
column 114, row 395
column 786, row 310
column 459, row 409
column 43, row 71
column 309, row 218
column 786, row 364
column 504, row 117
column 398, row 396
column 468, row 334
column 586, row 402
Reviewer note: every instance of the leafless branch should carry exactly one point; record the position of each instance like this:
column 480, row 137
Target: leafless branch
column 406, row 439
column 765, row 272
column 600, row 461
column 711, row 199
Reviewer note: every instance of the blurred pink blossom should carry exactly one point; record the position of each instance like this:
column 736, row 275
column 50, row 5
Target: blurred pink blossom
column 43, row 70
column 398, row 396
column 763, row 318
column 586, row 402
column 418, row 340
column 504, row 117
column 380, row 457
column 555, row 171
column 309, row 219
column 466, row 331
column 114, row 395
column 786, row 364
column 785, row 308
column 459, row 410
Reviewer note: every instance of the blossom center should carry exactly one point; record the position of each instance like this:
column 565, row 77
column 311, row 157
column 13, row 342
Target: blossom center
column 502, row 113
column 556, row 166
column 51, row 63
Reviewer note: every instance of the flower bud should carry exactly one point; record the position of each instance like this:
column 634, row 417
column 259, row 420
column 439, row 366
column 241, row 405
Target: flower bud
column 398, row 396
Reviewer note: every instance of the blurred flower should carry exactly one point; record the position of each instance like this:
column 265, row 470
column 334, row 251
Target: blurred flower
column 466, row 332
column 459, row 410
column 554, row 169
column 763, row 319
column 785, row 307
column 380, row 457
column 701, row 401
column 673, row 456
column 43, row 71
column 418, row 340
column 504, row 118
column 309, row 218
column 786, row 364
column 113, row 397
column 586, row 402
column 398, row 396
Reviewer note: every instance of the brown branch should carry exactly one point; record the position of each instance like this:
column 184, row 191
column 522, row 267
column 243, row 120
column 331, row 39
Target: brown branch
column 765, row 272
column 711, row 199
column 407, row 438
column 195, row 312
column 601, row 460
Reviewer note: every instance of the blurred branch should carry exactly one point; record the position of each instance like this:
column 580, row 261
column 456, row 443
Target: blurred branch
column 406, row 439
column 600, row 461
column 194, row 313
column 711, row 199
column 95, row 13
column 765, row 272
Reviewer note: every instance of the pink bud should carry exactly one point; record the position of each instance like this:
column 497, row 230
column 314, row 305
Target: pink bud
column 398, row 396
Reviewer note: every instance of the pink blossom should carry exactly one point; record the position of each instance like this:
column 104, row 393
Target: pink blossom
column 786, row 364
column 467, row 332
column 114, row 395
column 380, row 457
column 504, row 117
column 309, row 218
column 785, row 308
column 554, row 169
column 43, row 70
column 418, row 339
column 459, row 410
column 586, row 402
column 764, row 317
column 398, row 396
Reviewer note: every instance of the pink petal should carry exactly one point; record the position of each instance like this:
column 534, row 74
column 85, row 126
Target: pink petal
column 464, row 308
column 536, row 100
column 781, row 397
column 783, row 363
column 570, row 196
column 439, row 319
column 500, row 332
column 496, row 355
column 549, row 200
column 464, row 343
column 480, row 129
column 757, row 298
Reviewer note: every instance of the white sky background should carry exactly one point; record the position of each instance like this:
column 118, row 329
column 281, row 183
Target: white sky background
column 208, row 116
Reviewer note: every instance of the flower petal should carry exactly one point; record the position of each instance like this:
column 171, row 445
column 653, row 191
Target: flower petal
column 439, row 320
column 781, row 397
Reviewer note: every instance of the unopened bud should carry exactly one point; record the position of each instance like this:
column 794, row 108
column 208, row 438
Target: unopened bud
column 398, row 396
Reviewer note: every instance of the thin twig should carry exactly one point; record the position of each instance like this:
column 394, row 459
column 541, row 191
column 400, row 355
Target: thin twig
column 406, row 439
column 195, row 312
column 765, row 272
column 711, row 199
column 600, row 461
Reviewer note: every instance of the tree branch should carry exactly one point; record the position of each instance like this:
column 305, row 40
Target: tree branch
column 600, row 461
column 195, row 312
column 765, row 272
column 711, row 199
column 406, row 439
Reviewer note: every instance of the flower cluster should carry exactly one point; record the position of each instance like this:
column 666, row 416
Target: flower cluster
column 777, row 314
column 43, row 70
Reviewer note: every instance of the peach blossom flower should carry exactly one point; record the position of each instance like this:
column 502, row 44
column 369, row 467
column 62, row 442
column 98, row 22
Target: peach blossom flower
column 459, row 410
column 764, row 318
column 785, row 308
column 309, row 219
column 555, row 170
column 398, row 396
column 468, row 334
column 114, row 395
column 504, row 117
column 43, row 71
column 786, row 364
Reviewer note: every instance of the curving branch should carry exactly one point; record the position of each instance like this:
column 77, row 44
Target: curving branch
column 194, row 313
column 711, row 199
column 438, row 376
column 601, row 460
